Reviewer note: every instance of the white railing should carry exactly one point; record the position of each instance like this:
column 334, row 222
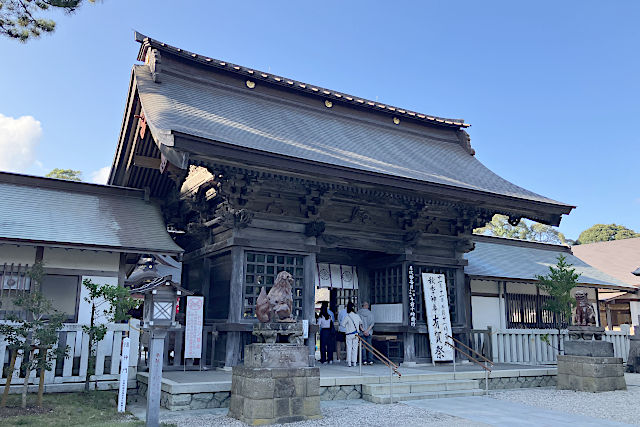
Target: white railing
column 528, row 346
column 69, row 373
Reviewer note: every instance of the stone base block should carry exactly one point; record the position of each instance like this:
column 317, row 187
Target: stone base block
column 588, row 348
column 276, row 356
column 261, row 396
column 592, row 374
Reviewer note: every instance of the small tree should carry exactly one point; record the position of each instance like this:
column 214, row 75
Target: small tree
column 558, row 284
column 15, row 337
column 37, row 330
column 111, row 301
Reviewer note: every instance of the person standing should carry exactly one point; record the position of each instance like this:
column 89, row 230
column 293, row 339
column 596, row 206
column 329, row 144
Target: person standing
column 340, row 337
column 325, row 324
column 367, row 332
column 352, row 325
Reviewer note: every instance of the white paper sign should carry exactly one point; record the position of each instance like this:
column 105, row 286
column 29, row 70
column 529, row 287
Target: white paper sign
column 124, row 374
column 434, row 289
column 193, row 329
column 305, row 328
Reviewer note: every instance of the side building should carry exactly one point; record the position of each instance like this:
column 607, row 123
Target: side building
column 262, row 173
column 78, row 231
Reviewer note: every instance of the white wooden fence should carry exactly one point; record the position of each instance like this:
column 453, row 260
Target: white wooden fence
column 527, row 346
column 68, row 373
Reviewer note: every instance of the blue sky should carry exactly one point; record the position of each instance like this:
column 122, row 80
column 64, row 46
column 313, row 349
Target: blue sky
column 551, row 88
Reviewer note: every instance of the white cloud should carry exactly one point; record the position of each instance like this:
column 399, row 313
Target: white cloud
column 18, row 141
column 101, row 175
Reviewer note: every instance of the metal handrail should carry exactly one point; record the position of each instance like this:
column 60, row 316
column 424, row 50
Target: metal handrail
column 470, row 349
column 384, row 359
column 473, row 359
column 487, row 369
column 393, row 368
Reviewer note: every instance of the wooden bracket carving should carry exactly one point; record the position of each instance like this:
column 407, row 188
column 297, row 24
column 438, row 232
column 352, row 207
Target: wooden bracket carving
column 314, row 228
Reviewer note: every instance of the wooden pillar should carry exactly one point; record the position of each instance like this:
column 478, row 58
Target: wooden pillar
column 205, row 285
column 309, row 298
column 232, row 357
column 501, row 303
column 122, row 269
column 463, row 300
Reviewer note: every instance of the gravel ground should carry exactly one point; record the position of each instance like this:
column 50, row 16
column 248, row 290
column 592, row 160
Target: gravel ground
column 350, row 413
column 621, row 406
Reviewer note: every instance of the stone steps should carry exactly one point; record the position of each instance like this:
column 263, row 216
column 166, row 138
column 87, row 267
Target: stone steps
column 426, row 395
column 412, row 390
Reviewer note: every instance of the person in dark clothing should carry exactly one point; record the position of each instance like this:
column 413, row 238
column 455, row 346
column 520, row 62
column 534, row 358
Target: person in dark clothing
column 325, row 324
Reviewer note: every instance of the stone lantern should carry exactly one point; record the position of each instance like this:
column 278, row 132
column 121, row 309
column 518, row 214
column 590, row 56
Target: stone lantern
column 160, row 301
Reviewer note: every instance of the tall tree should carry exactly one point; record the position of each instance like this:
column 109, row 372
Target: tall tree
column 68, row 174
column 605, row 233
column 22, row 20
column 526, row 230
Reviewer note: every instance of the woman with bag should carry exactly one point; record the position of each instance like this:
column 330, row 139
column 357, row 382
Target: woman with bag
column 352, row 324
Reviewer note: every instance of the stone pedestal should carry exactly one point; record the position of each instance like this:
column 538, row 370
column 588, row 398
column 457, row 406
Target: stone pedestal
column 633, row 359
column 276, row 356
column 588, row 348
column 271, row 332
column 594, row 374
column 275, row 385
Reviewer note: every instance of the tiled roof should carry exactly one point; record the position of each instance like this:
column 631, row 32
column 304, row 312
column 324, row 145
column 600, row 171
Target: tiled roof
column 50, row 211
column 291, row 83
column 509, row 259
column 242, row 118
column 618, row 258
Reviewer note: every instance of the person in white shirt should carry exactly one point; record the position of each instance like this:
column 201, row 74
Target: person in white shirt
column 352, row 325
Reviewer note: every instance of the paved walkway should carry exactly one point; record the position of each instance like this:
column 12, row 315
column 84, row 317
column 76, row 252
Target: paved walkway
column 501, row 413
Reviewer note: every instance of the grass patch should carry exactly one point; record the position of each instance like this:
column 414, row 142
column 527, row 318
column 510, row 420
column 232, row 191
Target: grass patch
column 94, row 408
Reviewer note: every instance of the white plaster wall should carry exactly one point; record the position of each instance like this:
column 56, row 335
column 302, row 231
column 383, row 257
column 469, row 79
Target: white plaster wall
column 17, row 254
column 635, row 312
column 484, row 286
column 81, row 260
column 521, row 288
column 485, row 312
column 84, row 311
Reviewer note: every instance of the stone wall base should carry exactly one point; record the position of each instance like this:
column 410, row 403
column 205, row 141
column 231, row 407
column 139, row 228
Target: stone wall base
column 593, row 374
column 505, row 383
column 261, row 396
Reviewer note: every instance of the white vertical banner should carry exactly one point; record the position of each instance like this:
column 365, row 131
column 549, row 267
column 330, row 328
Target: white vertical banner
column 305, row 329
column 193, row 328
column 324, row 275
column 436, row 303
column 124, row 374
column 336, row 275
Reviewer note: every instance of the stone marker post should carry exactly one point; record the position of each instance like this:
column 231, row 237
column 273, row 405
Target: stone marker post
column 156, row 354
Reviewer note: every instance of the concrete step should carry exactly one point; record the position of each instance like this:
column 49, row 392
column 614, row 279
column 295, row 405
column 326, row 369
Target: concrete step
column 419, row 387
column 424, row 395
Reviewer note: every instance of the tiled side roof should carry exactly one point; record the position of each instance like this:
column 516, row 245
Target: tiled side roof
column 291, row 83
column 618, row 258
column 36, row 213
column 511, row 261
column 240, row 117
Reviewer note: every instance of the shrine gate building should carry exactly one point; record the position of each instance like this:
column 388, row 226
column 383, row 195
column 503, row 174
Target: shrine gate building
column 259, row 173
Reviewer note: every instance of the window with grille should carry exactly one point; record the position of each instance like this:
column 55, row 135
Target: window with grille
column 261, row 269
column 449, row 275
column 527, row 311
column 386, row 285
column 344, row 296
